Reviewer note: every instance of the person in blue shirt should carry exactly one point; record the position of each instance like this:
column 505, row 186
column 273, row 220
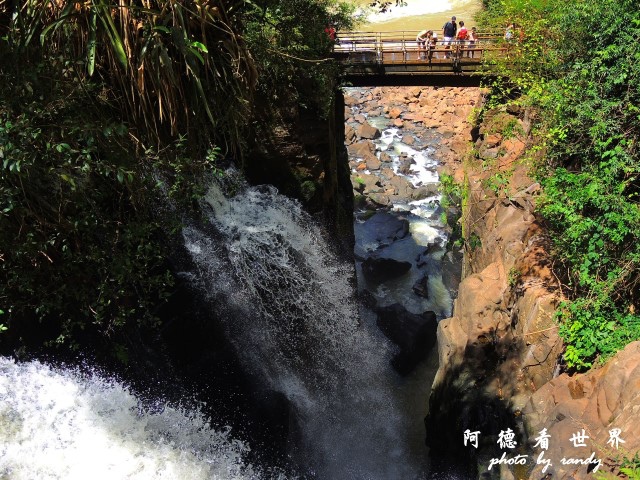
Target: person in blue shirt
column 449, row 30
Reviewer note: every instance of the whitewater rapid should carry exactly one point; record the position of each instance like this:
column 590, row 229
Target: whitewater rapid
column 63, row 424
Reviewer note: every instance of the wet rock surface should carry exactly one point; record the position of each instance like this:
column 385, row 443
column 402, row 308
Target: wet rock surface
column 395, row 159
column 414, row 334
column 379, row 270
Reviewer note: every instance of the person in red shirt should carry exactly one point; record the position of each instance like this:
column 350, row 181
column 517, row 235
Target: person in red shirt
column 331, row 32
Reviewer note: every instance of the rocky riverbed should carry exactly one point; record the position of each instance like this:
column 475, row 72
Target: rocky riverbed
column 399, row 141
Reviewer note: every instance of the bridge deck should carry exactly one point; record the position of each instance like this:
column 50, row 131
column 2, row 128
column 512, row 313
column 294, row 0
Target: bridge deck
column 383, row 54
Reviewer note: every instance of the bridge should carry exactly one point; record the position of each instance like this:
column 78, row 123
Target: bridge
column 395, row 58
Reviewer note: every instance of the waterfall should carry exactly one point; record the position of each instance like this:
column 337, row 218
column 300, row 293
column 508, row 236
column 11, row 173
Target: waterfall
column 287, row 306
column 62, row 424
column 286, row 303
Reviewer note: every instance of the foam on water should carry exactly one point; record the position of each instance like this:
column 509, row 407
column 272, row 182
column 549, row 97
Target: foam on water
column 424, row 168
column 59, row 424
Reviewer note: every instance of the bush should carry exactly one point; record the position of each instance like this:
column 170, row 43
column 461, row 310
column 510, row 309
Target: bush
column 578, row 66
column 81, row 248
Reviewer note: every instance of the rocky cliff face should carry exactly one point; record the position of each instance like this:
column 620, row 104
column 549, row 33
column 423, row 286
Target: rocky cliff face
column 500, row 350
column 302, row 153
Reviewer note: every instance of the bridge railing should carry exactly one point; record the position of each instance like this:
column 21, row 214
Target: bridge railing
column 401, row 47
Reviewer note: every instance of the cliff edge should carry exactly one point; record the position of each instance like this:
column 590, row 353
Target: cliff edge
column 500, row 352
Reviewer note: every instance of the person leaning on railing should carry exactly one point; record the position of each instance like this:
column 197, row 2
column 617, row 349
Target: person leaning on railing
column 432, row 47
column 422, row 39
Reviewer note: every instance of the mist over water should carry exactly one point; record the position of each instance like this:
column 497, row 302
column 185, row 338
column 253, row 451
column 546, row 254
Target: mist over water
column 60, row 424
column 292, row 318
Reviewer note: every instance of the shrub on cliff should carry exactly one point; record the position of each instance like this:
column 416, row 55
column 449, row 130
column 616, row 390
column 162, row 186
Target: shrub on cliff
column 583, row 78
column 591, row 192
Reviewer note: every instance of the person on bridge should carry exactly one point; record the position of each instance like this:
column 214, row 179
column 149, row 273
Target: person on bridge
column 461, row 38
column 508, row 33
column 462, row 32
column 473, row 40
column 424, row 36
column 432, row 47
column 449, row 30
column 331, row 32
column 331, row 35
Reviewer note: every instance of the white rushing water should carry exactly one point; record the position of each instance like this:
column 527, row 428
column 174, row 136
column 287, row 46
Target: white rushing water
column 292, row 320
column 286, row 302
column 60, row 424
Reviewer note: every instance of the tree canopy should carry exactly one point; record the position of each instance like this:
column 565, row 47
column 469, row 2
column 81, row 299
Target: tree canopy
column 109, row 111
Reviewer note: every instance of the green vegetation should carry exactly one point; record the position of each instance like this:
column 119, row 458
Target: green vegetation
column 287, row 40
column 498, row 183
column 577, row 66
column 451, row 191
column 108, row 112
column 515, row 276
column 628, row 466
column 631, row 467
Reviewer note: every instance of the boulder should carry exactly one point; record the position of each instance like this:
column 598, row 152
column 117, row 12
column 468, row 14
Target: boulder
column 395, row 112
column 425, row 191
column 403, row 187
column 359, row 118
column 405, row 164
column 386, row 227
column 372, row 162
column 380, row 199
column 387, row 173
column 368, row 131
column 414, row 334
column 357, row 183
column 421, row 287
column 349, row 135
column 360, row 149
column 385, row 157
column 350, row 100
column 380, row 270
column 371, row 183
column 408, row 139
